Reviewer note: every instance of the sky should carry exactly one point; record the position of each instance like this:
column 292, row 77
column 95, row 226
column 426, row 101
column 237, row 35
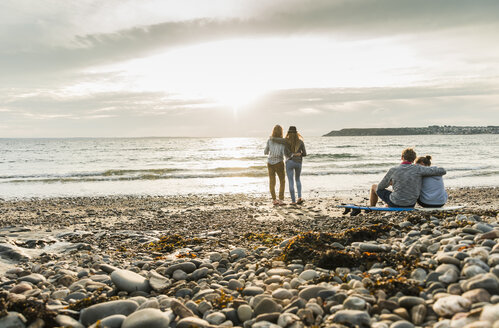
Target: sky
column 235, row 68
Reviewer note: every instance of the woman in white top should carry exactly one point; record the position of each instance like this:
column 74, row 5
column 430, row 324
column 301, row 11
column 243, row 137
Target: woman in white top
column 433, row 192
column 275, row 165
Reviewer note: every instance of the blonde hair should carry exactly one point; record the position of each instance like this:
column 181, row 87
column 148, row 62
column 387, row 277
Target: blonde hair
column 409, row 154
column 277, row 131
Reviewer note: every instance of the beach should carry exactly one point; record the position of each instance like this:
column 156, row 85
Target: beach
column 236, row 260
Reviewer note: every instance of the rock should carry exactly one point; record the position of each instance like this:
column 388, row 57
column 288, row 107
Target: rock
column 352, row 317
column 199, row 273
column 490, row 313
column 158, row 282
column 374, row 248
column 252, row 291
column 282, row 294
column 486, row 281
column 180, row 309
column 402, row 324
column 21, row 288
column 113, row 321
column 33, row 278
column 215, row 256
column 179, row 275
column 410, row 301
column 477, row 295
column 190, row 322
column 102, row 310
column 235, row 284
column 67, row 321
column 187, row 267
column 267, row 305
column 288, row 319
column 130, row 281
column 237, row 253
column 308, row 275
column 13, row 320
column 244, row 312
column 310, row 292
column 279, row 272
column 151, row 318
column 11, row 252
column 215, row 318
column 354, row 303
column 418, row 314
column 449, row 276
column 418, row 274
column 449, row 305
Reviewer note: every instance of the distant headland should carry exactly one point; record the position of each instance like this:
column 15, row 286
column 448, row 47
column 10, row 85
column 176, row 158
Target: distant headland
column 433, row 129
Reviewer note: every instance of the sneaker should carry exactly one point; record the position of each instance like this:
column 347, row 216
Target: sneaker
column 281, row 202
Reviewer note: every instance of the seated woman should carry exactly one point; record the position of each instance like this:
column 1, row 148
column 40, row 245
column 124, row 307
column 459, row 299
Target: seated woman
column 433, row 192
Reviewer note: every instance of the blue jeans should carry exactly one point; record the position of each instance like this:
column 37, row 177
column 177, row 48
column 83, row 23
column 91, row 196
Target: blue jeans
column 292, row 166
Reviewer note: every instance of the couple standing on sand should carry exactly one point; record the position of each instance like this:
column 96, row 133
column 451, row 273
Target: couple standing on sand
column 411, row 183
column 293, row 148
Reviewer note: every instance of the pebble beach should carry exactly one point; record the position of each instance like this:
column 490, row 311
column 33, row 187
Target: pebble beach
column 237, row 261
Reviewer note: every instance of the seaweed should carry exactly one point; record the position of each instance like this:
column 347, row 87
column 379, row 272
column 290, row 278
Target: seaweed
column 169, row 243
column 30, row 309
column 265, row 238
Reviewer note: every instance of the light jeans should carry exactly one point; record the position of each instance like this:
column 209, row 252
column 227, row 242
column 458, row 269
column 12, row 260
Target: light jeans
column 292, row 166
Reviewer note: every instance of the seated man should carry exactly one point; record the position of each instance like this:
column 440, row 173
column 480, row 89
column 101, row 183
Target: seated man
column 406, row 180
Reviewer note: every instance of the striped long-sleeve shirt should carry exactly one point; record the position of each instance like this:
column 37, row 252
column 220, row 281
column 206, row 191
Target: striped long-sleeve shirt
column 275, row 152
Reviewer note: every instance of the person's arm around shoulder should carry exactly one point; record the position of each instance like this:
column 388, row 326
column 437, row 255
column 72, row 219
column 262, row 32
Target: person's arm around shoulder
column 267, row 148
column 303, row 150
column 282, row 141
column 427, row 171
column 385, row 182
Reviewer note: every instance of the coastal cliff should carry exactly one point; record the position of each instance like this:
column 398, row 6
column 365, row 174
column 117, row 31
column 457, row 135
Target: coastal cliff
column 433, row 129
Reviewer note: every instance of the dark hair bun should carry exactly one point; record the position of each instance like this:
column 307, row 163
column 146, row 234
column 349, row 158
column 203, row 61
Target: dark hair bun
column 428, row 157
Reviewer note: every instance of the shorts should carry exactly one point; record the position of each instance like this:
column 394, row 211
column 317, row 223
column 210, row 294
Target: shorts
column 428, row 205
column 384, row 194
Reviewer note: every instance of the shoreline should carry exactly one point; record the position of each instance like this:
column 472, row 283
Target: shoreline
column 78, row 252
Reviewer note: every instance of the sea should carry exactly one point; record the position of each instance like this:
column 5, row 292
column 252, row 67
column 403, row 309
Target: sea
column 68, row 167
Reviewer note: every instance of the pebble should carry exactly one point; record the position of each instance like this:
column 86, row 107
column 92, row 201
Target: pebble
column 244, row 312
column 192, row 321
column 352, row 317
column 449, row 305
column 151, row 318
column 130, row 281
column 99, row 311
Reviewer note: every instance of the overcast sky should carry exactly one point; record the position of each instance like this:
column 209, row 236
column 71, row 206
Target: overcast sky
column 92, row 68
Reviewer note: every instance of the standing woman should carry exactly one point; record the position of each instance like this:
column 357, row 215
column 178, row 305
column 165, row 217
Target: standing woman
column 295, row 152
column 275, row 165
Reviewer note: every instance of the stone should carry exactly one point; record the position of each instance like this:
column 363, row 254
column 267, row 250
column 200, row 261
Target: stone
column 190, row 322
column 215, row 318
column 287, row 319
column 244, row 312
column 269, row 317
column 179, row 275
column 99, row 311
column 67, row 321
column 282, row 294
column 402, row 324
column 418, row 274
column 472, row 270
column 418, row 314
column 11, row 252
column 187, row 267
column 310, row 292
column 252, row 291
column 33, row 278
column 374, row 248
column 279, row 272
column 449, row 305
column 477, row 295
column 235, row 284
column 215, row 256
column 158, row 282
column 449, row 276
column 354, row 303
column 180, row 309
column 267, row 305
column 352, row 317
column 237, row 253
column 113, row 321
column 199, row 273
column 490, row 313
column 410, row 301
column 21, row 288
column 204, row 306
column 130, row 281
column 13, row 320
column 151, row 318
column 308, row 275
column 486, row 281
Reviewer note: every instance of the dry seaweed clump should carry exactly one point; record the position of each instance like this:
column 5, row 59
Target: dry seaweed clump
column 264, row 238
column 393, row 285
column 311, row 246
column 30, row 309
column 169, row 243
